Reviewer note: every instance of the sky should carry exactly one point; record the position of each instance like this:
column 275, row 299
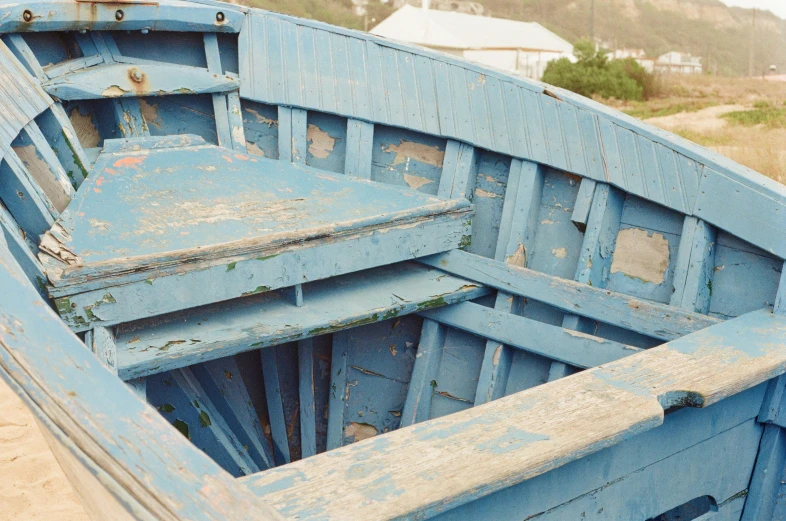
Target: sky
column 776, row 6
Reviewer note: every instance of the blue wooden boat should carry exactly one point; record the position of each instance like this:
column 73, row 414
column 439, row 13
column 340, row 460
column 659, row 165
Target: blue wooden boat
column 258, row 267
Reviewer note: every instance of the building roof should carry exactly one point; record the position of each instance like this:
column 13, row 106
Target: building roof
column 451, row 30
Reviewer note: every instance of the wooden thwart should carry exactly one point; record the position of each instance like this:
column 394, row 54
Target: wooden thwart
column 643, row 316
column 443, row 463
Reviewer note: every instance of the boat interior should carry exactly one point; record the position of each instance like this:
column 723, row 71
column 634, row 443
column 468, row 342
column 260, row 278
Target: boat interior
column 288, row 238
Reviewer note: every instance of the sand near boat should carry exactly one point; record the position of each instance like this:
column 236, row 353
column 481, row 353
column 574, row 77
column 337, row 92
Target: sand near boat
column 32, row 486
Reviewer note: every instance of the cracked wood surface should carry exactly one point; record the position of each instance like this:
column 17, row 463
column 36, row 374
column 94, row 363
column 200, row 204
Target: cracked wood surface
column 150, row 209
column 429, row 468
column 266, row 320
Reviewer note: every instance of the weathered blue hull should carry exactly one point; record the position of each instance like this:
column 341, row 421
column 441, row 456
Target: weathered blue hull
column 257, row 267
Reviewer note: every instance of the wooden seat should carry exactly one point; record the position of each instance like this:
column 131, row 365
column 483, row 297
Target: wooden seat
column 176, row 223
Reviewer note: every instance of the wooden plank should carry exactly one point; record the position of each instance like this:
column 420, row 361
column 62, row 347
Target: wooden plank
column 115, row 80
column 60, row 134
column 695, row 265
column 236, row 122
column 421, row 386
column 765, row 227
column 581, row 210
column 220, row 109
column 360, row 140
column 571, row 347
column 308, row 423
column 459, row 168
column 29, row 205
column 143, row 454
column 22, row 251
column 518, row 225
column 646, row 317
column 275, row 407
column 780, row 298
column 44, row 166
column 689, row 444
column 161, row 15
column 600, row 234
column 366, row 297
column 292, row 134
column 179, row 396
column 474, row 453
column 129, row 118
column 223, row 383
column 338, row 385
column 767, row 476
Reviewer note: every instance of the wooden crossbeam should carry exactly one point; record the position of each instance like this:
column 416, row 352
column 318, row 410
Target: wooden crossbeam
column 220, row 330
column 646, row 317
column 554, row 342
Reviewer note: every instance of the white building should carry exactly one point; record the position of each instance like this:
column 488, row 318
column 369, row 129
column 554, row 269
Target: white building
column 678, row 63
column 523, row 48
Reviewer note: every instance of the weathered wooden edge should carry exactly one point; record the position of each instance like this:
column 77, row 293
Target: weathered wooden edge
column 145, row 455
column 418, row 471
column 643, row 316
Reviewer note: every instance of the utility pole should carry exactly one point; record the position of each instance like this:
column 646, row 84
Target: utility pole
column 752, row 44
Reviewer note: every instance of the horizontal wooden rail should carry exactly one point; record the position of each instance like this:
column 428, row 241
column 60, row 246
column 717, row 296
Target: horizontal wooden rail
column 220, row 330
column 554, row 342
column 419, row 471
column 642, row 316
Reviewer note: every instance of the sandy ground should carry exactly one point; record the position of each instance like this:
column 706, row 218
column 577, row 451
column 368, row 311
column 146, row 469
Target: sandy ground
column 701, row 121
column 32, row 486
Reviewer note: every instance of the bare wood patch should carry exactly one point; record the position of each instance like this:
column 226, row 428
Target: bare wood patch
column 640, row 255
column 320, row 143
column 86, row 131
column 414, row 181
column 407, row 150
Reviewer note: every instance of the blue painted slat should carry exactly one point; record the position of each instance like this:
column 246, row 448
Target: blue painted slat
column 518, row 225
column 293, row 81
column 275, row 407
column 694, row 267
column 224, row 385
column 631, row 163
column 309, row 69
column 576, row 150
column 275, row 59
column 219, row 100
column 360, row 139
column 417, row 406
column 359, row 79
column 459, row 97
column 236, row 129
column 670, row 175
column 376, row 88
column 651, row 170
column 392, row 86
column 515, row 116
column 649, row 318
column 765, row 227
column 447, row 120
column 611, row 154
column 766, row 482
column 409, row 91
column 583, row 204
column 478, row 108
column 779, row 305
column 590, row 135
column 24, row 198
column 459, row 169
column 535, row 125
column 689, row 173
column 23, row 251
column 308, row 424
column 338, row 390
column 553, row 132
column 428, row 107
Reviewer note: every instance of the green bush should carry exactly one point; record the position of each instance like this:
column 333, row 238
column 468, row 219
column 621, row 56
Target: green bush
column 594, row 74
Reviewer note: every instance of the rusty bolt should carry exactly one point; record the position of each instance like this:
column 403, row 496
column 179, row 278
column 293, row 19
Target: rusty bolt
column 136, row 75
column 27, row 16
column 220, row 16
column 119, row 14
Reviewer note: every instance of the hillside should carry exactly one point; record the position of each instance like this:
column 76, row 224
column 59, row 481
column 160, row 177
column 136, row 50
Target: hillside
column 706, row 28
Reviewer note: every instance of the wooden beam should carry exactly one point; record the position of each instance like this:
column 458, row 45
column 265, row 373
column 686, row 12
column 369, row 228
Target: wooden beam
column 570, row 347
column 417, row 406
column 360, row 143
column 642, row 316
column 518, row 225
column 275, row 407
column 694, row 267
column 338, row 385
column 427, row 468
column 600, row 235
column 308, row 422
column 267, row 320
